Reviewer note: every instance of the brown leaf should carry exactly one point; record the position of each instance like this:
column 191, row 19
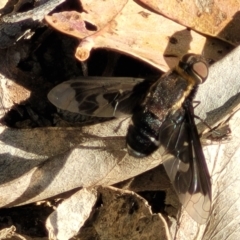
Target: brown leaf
column 127, row 215
column 220, row 18
column 135, row 30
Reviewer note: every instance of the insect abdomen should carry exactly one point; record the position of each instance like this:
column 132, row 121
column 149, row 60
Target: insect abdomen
column 142, row 137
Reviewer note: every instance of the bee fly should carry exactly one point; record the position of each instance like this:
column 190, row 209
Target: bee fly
column 163, row 118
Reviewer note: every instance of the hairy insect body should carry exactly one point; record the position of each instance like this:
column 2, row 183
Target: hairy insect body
column 165, row 98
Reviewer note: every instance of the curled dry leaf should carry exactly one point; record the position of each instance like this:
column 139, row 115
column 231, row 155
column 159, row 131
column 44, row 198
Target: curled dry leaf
column 217, row 18
column 41, row 163
column 125, row 215
column 134, row 30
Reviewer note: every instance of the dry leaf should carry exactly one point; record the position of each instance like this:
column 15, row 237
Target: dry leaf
column 70, row 215
column 123, row 213
column 217, row 18
column 126, row 215
column 132, row 29
column 45, row 162
column 219, row 95
column 225, row 216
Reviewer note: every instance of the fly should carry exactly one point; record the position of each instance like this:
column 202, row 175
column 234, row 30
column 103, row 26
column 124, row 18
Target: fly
column 162, row 118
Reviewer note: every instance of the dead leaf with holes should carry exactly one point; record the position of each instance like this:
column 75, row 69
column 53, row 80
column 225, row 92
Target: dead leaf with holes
column 133, row 29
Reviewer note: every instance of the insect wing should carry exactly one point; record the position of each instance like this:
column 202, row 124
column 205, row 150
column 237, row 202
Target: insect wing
column 101, row 97
column 202, row 190
column 185, row 164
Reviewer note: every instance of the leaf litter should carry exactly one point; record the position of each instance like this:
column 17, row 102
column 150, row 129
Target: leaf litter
column 83, row 158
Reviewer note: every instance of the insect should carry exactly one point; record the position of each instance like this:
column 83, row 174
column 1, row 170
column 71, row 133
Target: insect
column 162, row 118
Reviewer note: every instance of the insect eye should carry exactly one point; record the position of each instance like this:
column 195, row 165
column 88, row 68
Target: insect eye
column 201, row 70
column 196, row 66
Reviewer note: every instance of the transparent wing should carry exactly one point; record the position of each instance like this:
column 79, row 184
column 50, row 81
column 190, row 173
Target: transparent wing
column 185, row 164
column 101, row 97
